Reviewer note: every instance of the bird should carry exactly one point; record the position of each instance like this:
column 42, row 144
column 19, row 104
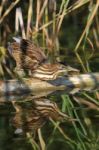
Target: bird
column 29, row 56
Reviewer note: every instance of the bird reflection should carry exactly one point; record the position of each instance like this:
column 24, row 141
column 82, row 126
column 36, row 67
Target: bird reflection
column 33, row 115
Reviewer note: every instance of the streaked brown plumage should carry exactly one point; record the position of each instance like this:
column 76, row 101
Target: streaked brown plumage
column 52, row 71
column 36, row 113
column 48, row 109
column 28, row 56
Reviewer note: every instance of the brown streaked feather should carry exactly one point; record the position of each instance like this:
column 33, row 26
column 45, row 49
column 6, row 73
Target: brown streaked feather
column 32, row 50
column 34, row 116
column 52, row 71
column 49, row 109
column 26, row 54
column 23, row 61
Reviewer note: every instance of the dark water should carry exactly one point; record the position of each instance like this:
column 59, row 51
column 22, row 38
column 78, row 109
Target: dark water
column 19, row 123
column 14, row 126
column 17, row 120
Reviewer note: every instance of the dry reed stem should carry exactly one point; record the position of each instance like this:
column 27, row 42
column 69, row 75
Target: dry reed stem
column 30, row 12
column 19, row 20
column 97, row 23
column 47, row 36
column 1, row 6
column 41, row 140
column 92, row 47
column 37, row 14
column 77, row 4
column 62, row 17
column 42, row 10
column 95, row 37
column 90, row 105
column 32, row 141
column 87, row 25
column 13, row 4
column 69, row 10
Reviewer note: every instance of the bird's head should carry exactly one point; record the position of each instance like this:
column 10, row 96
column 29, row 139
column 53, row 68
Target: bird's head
column 66, row 70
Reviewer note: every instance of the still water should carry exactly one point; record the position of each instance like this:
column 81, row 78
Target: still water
column 19, row 124
column 20, row 121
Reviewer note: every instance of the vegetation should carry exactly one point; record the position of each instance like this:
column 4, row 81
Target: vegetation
column 68, row 31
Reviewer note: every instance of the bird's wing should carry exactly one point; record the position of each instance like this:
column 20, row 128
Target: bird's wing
column 26, row 54
column 32, row 50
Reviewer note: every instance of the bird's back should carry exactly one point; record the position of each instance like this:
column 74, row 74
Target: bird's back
column 26, row 54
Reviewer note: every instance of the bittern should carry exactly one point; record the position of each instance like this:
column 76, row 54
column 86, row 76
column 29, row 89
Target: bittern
column 31, row 57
